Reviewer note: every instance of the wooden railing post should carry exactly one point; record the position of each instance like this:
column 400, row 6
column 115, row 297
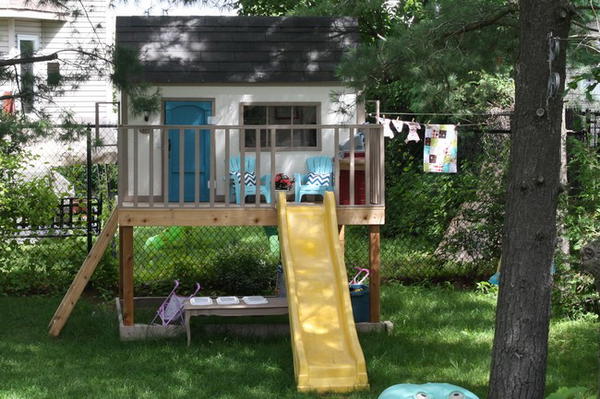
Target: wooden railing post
column 242, row 167
column 197, row 133
column 226, row 170
column 257, row 187
column 181, row 166
column 136, row 149
column 165, row 143
column 151, row 167
column 213, row 167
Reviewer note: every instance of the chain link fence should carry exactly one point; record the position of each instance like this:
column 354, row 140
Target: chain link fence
column 58, row 191
column 439, row 227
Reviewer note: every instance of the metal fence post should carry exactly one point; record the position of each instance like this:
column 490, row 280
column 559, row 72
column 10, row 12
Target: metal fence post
column 89, row 212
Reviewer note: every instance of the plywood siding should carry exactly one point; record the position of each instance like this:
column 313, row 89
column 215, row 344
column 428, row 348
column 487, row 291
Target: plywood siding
column 227, row 100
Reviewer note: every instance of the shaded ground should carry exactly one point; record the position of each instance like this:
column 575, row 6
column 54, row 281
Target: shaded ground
column 440, row 335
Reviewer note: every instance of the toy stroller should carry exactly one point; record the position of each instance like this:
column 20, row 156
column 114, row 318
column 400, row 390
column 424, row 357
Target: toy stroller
column 360, row 276
column 171, row 310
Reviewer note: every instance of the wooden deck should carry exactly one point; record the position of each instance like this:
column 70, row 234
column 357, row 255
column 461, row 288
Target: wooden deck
column 236, row 216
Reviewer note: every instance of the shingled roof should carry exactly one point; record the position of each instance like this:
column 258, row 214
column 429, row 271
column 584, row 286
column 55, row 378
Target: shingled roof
column 214, row 49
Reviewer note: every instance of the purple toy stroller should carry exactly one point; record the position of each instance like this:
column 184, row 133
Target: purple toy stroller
column 171, row 310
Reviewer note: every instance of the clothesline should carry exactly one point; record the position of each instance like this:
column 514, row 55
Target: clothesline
column 381, row 113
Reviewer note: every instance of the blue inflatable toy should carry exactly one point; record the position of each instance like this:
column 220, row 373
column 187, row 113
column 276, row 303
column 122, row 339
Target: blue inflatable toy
column 426, row 391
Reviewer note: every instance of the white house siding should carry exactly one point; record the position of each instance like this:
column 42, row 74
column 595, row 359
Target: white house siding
column 3, row 38
column 57, row 35
column 227, row 100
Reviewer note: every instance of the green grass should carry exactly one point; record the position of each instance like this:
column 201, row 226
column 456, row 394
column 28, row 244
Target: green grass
column 440, row 334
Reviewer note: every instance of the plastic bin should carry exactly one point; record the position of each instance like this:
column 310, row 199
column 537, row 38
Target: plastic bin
column 359, row 296
column 280, row 282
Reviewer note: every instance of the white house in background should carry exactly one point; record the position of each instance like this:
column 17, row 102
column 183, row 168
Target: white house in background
column 234, row 71
column 27, row 27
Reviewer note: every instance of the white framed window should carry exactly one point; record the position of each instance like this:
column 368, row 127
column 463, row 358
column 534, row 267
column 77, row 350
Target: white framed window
column 28, row 40
column 27, row 46
column 283, row 114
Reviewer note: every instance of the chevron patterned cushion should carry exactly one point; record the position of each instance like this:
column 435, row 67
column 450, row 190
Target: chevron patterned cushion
column 317, row 179
column 249, row 178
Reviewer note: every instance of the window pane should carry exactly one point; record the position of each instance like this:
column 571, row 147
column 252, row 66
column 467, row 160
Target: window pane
column 255, row 115
column 26, row 47
column 305, row 115
column 280, row 115
column 305, row 137
column 251, row 138
column 283, row 137
column 27, row 78
column 53, row 73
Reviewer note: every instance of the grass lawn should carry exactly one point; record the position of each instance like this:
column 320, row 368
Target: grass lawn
column 440, row 335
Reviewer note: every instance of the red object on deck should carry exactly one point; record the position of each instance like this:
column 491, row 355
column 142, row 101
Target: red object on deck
column 8, row 105
column 359, row 187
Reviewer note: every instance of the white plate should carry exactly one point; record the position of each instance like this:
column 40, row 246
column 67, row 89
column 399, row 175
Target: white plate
column 201, row 301
column 255, row 300
column 228, row 300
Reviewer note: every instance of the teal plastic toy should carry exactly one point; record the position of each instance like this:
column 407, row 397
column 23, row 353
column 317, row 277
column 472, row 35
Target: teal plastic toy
column 426, row 391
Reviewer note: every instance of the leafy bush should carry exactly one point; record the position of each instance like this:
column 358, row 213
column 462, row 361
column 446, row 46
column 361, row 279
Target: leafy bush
column 240, row 273
column 575, row 294
column 28, row 269
column 24, row 199
column 583, row 207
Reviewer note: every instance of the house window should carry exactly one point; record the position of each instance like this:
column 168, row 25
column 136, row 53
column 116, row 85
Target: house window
column 282, row 114
column 27, row 46
column 53, row 73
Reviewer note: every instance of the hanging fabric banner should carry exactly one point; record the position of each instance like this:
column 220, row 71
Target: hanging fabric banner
column 439, row 151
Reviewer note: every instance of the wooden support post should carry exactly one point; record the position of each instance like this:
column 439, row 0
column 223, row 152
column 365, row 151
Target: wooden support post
column 126, row 273
column 375, row 277
column 342, row 233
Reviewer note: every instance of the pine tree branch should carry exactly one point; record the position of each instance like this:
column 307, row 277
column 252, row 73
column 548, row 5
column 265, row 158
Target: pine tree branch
column 28, row 60
column 10, row 96
column 483, row 23
column 49, row 57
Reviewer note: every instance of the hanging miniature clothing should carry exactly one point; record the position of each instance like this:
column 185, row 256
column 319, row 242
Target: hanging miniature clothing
column 396, row 126
column 440, row 149
column 412, row 132
column 387, row 130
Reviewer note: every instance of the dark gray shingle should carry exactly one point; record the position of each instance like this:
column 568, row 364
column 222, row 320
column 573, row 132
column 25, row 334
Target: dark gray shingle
column 211, row 49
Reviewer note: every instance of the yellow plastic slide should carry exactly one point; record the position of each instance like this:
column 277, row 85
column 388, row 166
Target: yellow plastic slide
column 327, row 354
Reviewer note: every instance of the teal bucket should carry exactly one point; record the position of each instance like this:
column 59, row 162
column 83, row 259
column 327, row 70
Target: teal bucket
column 359, row 296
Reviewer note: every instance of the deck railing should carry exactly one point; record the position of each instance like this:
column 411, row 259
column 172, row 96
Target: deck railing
column 145, row 159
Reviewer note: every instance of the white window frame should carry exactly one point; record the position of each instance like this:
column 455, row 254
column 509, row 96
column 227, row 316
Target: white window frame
column 32, row 38
column 36, row 45
column 317, row 104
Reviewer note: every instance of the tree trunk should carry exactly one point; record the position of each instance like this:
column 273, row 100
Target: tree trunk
column 523, row 312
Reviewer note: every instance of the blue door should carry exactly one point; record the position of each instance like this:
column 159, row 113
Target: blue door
column 188, row 113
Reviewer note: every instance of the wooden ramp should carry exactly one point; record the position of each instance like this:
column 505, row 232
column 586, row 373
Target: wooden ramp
column 83, row 275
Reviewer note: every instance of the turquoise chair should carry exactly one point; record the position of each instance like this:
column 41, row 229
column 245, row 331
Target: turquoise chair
column 320, row 165
column 249, row 189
